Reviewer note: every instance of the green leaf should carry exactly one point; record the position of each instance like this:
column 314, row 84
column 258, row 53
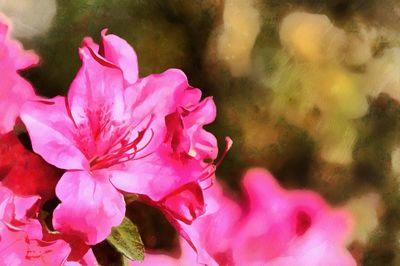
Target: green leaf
column 125, row 261
column 126, row 239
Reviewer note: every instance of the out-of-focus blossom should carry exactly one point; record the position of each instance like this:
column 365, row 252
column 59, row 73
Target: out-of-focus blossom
column 30, row 17
column 21, row 234
column 237, row 35
column 14, row 90
column 274, row 227
column 115, row 132
column 295, row 227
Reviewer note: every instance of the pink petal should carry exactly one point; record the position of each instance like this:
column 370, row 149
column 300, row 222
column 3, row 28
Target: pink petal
column 204, row 113
column 143, row 97
column 12, row 54
column 14, row 92
column 186, row 256
column 143, row 101
column 97, row 88
column 51, row 132
column 203, row 143
column 186, row 203
column 90, row 206
column 12, row 246
column 118, row 51
column 212, row 234
column 51, row 253
column 156, row 175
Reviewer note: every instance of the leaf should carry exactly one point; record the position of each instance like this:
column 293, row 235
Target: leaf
column 126, row 239
column 125, row 261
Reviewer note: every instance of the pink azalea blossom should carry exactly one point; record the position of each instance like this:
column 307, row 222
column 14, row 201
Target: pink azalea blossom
column 21, row 234
column 14, row 90
column 295, row 227
column 115, row 132
column 274, row 228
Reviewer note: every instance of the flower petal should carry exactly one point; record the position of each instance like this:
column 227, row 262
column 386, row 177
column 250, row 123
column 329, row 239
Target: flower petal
column 119, row 52
column 96, row 90
column 51, row 131
column 186, row 203
column 90, row 206
column 144, row 97
column 14, row 92
column 156, row 175
column 143, row 102
column 12, row 55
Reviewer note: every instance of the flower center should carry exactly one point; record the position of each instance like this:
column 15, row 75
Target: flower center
column 107, row 141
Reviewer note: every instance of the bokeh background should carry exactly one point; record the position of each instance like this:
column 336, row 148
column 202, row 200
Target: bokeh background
column 308, row 89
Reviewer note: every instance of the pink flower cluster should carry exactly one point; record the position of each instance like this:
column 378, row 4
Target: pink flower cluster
column 116, row 135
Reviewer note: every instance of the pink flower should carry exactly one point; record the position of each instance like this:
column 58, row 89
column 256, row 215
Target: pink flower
column 14, row 90
column 275, row 227
column 115, row 132
column 295, row 227
column 21, row 234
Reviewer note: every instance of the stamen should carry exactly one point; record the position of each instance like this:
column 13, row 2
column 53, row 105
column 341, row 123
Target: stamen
column 209, row 173
column 126, row 152
column 69, row 112
column 228, row 146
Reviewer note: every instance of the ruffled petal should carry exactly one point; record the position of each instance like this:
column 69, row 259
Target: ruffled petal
column 157, row 95
column 12, row 55
column 14, row 90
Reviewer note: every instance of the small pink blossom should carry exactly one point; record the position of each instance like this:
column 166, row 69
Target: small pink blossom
column 14, row 90
column 116, row 132
column 274, row 228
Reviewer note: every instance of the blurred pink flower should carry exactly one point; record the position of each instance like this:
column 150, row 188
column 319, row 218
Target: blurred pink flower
column 275, row 227
column 295, row 227
column 116, row 132
column 14, row 90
